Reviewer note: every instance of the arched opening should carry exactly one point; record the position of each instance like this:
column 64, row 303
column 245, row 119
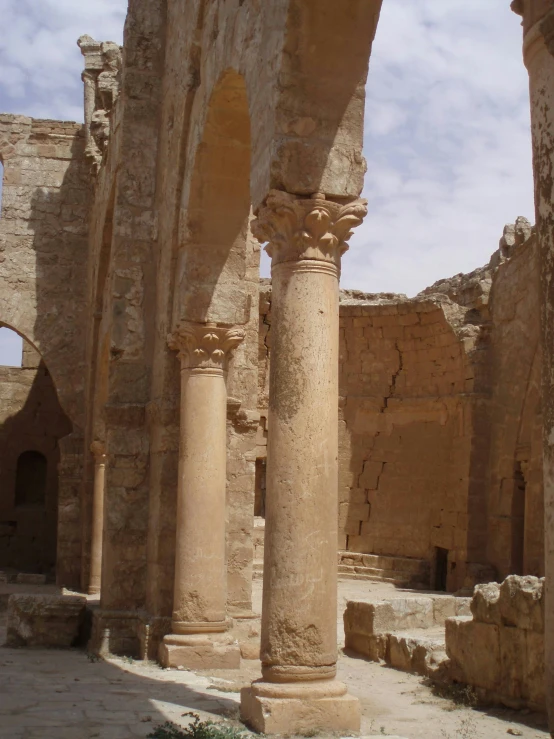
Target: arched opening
column 32, row 423
column 30, row 479
column 214, row 231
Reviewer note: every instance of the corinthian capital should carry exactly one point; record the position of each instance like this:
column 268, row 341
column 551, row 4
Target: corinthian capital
column 205, row 345
column 306, row 228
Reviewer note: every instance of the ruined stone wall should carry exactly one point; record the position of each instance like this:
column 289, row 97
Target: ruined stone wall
column 31, row 420
column 406, row 386
column 515, row 532
column 43, row 246
column 43, row 263
column 405, row 423
column 499, row 650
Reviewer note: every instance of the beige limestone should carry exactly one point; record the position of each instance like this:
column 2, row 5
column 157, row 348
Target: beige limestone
column 298, row 642
column 138, row 222
column 200, row 594
column 45, row 620
column 99, row 451
column 501, row 649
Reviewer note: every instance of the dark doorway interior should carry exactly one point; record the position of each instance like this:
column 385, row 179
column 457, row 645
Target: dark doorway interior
column 259, row 496
column 441, row 568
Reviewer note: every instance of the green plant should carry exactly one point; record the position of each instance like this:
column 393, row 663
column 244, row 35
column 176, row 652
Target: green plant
column 196, row 730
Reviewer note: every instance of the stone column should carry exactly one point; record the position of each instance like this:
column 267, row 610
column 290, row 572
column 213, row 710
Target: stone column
column 538, row 55
column 199, row 624
column 97, row 529
column 298, row 691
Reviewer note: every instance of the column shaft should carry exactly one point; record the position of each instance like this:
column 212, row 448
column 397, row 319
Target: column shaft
column 200, row 572
column 97, row 528
column 198, row 639
column 299, row 631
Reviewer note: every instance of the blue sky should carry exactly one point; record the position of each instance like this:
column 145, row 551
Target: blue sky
column 447, row 136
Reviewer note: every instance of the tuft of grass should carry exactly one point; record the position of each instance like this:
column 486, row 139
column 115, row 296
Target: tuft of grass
column 196, row 730
column 461, row 695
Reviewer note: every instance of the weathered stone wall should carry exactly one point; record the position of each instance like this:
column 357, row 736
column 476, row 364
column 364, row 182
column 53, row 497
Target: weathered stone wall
column 405, row 424
column 43, row 246
column 43, row 264
column 31, row 419
column 500, row 650
column 515, row 533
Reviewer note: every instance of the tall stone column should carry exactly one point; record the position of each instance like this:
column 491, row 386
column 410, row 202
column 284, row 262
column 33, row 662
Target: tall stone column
column 298, row 691
column 97, row 529
column 199, row 624
column 538, row 55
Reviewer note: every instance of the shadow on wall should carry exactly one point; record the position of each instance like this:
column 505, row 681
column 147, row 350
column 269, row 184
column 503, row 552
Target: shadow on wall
column 58, row 194
column 32, row 424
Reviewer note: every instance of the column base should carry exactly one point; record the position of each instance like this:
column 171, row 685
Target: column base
column 298, row 708
column 199, row 652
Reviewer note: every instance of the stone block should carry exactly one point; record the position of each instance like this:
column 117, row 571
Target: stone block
column 513, row 658
column 45, row 620
column 443, row 608
column 374, row 647
column 534, row 676
column 26, row 578
column 474, row 652
column 521, row 602
column 299, row 709
column 484, row 604
column 200, row 652
column 418, row 654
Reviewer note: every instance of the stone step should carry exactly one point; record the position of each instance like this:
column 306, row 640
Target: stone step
column 384, row 562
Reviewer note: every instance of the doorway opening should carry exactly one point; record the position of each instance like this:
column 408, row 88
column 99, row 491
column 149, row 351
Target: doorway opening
column 441, row 568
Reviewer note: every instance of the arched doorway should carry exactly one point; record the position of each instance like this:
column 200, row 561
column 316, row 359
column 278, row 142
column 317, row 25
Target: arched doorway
column 31, row 424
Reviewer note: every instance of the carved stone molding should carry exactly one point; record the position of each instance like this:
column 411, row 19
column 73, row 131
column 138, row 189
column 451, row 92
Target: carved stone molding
column 205, row 345
column 306, row 228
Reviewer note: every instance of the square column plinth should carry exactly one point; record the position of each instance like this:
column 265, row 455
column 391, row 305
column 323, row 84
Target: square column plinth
column 200, row 652
column 297, row 709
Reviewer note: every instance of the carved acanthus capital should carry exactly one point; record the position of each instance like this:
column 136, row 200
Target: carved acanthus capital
column 98, row 449
column 306, row 228
column 205, row 345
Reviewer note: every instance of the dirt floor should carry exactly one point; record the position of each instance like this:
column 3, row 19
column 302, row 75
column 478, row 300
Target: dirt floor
column 64, row 694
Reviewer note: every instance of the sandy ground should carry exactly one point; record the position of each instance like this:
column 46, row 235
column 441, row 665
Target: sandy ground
column 63, row 694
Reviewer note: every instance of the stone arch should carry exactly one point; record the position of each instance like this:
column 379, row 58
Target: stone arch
column 216, row 216
column 33, row 428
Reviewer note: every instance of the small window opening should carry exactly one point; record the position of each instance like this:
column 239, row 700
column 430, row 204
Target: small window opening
column 30, row 479
column 441, row 568
column 259, row 494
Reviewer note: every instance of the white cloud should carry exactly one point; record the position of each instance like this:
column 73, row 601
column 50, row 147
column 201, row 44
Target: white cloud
column 40, row 63
column 447, row 125
column 447, row 143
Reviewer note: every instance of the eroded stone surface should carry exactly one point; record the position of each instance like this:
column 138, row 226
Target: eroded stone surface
column 45, row 620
